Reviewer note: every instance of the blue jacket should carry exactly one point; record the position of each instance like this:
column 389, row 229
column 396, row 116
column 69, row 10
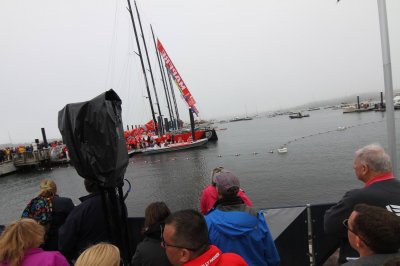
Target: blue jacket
column 241, row 230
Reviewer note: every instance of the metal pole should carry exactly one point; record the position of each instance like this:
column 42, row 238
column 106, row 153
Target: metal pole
column 192, row 124
column 173, row 97
column 150, row 70
column 387, row 74
column 142, row 63
column 162, row 75
column 45, row 144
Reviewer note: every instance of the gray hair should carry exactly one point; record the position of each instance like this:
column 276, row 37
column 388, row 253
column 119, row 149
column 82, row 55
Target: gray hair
column 375, row 157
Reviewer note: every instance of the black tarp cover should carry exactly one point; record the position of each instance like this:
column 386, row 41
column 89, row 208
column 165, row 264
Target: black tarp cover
column 94, row 136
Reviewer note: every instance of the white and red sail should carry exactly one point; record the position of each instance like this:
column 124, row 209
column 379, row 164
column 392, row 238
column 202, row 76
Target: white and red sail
column 177, row 78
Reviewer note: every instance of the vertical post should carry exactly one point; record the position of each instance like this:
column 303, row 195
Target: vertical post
column 381, row 100
column 160, row 128
column 387, row 74
column 192, row 124
column 173, row 97
column 150, row 70
column 162, row 76
column 45, row 144
column 142, row 64
column 166, row 123
column 358, row 102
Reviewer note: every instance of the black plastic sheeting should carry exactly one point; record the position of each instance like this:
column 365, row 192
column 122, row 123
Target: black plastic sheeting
column 324, row 244
column 95, row 140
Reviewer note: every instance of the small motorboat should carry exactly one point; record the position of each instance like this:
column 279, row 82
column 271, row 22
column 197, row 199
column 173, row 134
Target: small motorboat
column 282, row 150
column 298, row 115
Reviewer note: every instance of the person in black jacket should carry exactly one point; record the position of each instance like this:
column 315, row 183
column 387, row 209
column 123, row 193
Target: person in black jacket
column 86, row 225
column 149, row 252
column 373, row 167
column 50, row 210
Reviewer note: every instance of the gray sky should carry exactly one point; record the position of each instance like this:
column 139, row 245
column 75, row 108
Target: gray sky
column 234, row 56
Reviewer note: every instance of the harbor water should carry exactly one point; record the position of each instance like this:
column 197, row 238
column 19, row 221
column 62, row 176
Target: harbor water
column 318, row 167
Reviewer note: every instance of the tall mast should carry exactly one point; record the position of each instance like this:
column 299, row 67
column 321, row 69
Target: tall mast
column 162, row 77
column 173, row 97
column 142, row 63
column 148, row 61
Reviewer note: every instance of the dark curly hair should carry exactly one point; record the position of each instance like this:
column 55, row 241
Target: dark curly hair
column 379, row 228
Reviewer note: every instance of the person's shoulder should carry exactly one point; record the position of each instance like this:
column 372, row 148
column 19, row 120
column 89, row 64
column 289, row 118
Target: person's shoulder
column 63, row 199
column 209, row 189
column 231, row 259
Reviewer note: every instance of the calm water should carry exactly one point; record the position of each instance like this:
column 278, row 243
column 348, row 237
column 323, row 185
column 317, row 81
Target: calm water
column 317, row 168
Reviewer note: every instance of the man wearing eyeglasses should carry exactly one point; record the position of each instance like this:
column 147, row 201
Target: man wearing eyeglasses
column 375, row 233
column 373, row 167
column 185, row 239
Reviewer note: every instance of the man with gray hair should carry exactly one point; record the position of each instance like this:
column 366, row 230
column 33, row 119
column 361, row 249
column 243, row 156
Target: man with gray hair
column 373, row 167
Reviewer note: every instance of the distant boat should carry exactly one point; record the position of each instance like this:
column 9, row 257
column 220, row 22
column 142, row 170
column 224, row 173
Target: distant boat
column 298, row 115
column 237, row 119
column 353, row 109
column 282, row 150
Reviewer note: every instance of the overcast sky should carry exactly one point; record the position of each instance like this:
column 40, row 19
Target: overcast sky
column 234, row 56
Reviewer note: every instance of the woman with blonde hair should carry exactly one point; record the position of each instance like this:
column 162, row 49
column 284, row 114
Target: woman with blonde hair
column 50, row 210
column 102, row 254
column 19, row 246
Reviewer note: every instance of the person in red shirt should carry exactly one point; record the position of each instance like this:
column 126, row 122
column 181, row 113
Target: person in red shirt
column 185, row 239
column 210, row 195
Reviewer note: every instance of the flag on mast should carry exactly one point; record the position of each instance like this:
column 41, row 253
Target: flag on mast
column 177, row 78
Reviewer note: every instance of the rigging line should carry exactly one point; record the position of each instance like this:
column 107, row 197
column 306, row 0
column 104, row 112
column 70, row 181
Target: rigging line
column 111, row 58
column 124, row 72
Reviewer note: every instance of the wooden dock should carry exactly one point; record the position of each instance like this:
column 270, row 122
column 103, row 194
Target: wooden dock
column 31, row 158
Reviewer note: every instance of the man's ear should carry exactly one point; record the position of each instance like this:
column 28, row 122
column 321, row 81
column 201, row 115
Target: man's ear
column 360, row 244
column 365, row 169
column 185, row 255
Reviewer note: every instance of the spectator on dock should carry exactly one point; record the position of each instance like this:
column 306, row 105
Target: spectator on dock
column 209, row 195
column 149, row 252
column 19, row 246
column 375, row 233
column 2, row 155
column 185, row 239
column 50, row 210
column 373, row 167
column 86, row 224
column 235, row 227
column 102, row 254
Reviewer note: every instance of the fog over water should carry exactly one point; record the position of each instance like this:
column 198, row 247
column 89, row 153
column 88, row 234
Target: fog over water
column 234, row 56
